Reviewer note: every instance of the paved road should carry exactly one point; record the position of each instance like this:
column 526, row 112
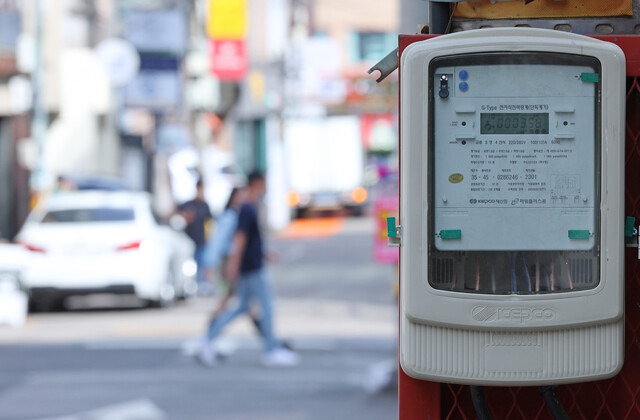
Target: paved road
column 334, row 305
column 126, row 381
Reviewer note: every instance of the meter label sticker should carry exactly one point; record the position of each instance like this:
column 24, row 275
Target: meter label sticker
column 519, row 173
column 456, row 178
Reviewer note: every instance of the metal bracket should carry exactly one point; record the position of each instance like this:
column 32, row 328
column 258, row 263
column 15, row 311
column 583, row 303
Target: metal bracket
column 583, row 26
column 386, row 66
column 394, row 232
column 631, row 237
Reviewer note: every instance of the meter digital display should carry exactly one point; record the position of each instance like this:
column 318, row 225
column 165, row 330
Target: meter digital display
column 514, row 123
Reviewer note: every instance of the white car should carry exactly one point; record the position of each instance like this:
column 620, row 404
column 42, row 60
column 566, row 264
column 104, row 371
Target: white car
column 89, row 242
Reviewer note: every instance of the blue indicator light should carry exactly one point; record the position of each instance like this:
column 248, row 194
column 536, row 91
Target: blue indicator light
column 464, row 86
column 463, row 75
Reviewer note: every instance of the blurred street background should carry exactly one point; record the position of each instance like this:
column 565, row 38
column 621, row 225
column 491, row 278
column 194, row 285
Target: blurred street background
column 334, row 307
column 111, row 111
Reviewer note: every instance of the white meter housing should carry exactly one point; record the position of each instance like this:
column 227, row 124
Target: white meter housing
column 512, row 198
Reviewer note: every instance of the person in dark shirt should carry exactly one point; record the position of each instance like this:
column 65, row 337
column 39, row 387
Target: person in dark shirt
column 245, row 270
column 198, row 216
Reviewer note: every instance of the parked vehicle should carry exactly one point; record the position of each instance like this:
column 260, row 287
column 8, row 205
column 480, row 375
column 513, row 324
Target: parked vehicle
column 325, row 162
column 88, row 242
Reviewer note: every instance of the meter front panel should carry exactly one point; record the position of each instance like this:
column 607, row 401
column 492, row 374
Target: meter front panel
column 515, row 169
column 512, row 208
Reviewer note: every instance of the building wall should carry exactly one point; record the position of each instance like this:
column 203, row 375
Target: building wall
column 340, row 19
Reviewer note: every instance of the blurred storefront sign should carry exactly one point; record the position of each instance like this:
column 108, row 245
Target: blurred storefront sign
column 314, row 65
column 20, row 94
column 26, row 53
column 159, row 62
column 227, row 19
column 144, row 4
column 27, row 153
column 226, row 26
column 10, row 28
column 260, row 93
column 378, row 132
column 257, row 86
column 202, row 89
column 154, row 89
column 197, row 62
column 229, row 61
column 84, row 83
column 171, row 137
column 5, row 100
column 7, row 66
column 120, row 60
column 16, row 96
column 384, row 206
column 162, row 31
column 137, row 122
column 203, row 93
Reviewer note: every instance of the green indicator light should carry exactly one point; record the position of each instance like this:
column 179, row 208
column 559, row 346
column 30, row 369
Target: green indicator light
column 391, row 227
column 451, row 234
column 590, row 77
column 579, row 234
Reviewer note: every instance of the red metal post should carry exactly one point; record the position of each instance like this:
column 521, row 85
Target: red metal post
column 417, row 400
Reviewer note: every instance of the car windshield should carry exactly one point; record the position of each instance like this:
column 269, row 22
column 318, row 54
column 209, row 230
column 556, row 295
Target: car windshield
column 96, row 214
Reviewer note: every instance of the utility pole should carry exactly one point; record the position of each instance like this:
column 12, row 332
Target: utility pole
column 40, row 119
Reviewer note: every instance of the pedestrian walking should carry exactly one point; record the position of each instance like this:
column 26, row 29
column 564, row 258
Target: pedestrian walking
column 245, row 271
column 198, row 216
column 219, row 248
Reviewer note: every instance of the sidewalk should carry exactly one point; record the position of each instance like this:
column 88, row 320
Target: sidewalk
column 295, row 318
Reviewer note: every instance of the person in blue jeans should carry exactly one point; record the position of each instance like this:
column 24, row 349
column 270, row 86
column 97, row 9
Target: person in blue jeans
column 218, row 248
column 198, row 216
column 245, row 271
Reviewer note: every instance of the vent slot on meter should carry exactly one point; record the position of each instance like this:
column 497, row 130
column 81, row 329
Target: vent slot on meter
column 514, row 173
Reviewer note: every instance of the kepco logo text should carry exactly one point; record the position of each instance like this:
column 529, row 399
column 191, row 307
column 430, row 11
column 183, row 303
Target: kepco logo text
column 511, row 314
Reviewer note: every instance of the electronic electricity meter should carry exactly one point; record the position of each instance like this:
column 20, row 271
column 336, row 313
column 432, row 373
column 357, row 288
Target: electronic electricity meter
column 512, row 197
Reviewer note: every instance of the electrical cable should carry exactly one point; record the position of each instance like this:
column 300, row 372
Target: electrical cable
column 553, row 403
column 566, row 263
column 526, row 272
column 514, row 286
column 477, row 274
column 546, row 280
column 446, row 31
column 479, row 403
column 493, row 274
column 537, row 273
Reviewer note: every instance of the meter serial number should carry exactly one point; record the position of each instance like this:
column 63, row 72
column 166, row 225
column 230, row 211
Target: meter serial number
column 510, row 177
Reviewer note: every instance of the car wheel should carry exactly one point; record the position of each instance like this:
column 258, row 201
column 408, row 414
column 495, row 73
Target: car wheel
column 167, row 297
column 299, row 213
column 46, row 305
column 357, row 211
column 167, row 292
column 188, row 289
